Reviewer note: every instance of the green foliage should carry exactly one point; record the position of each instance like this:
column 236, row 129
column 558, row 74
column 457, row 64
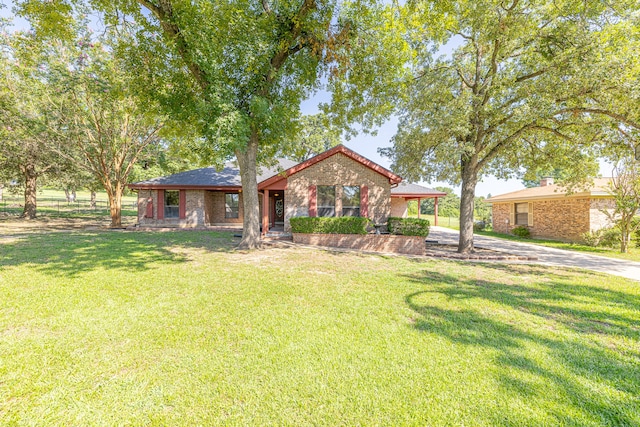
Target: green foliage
column 315, row 135
column 408, row 226
column 481, row 226
column 610, row 237
column 447, row 206
column 330, row 225
column 592, row 238
column 511, row 96
column 522, row 232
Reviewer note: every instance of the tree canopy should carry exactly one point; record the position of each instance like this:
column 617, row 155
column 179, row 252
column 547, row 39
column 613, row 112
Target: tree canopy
column 531, row 84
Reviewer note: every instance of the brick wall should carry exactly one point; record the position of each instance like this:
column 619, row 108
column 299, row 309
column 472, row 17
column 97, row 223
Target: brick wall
column 195, row 210
column 563, row 219
column 337, row 170
column 215, row 209
column 398, row 207
column 413, row 245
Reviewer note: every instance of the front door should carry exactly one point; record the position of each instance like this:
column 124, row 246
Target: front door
column 277, row 209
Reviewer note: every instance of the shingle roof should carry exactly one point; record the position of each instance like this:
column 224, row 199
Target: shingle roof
column 229, row 176
column 405, row 189
column 553, row 191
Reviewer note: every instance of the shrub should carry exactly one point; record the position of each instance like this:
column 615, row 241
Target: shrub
column 330, row 225
column 592, row 238
column 522, row 231
column 408, row 226
column 636, row 234
column 479, row 226
column 610, row 237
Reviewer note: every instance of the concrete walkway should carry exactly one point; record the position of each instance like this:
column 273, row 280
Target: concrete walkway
column 546, row 256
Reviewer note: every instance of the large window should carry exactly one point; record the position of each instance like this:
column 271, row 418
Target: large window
column 350, row 201
column 231, row 202
column 326, row 200
column 171, row 204
column 522, row 213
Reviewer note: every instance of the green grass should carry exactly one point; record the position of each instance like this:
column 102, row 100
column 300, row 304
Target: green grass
column 132, row 328
column 632, row 255
column 443, row 221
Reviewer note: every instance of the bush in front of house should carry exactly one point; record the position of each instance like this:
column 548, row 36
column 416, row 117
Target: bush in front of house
column 522, row 232
column 408, row 226
column 604, row 237
column 329, row 225
column 592, row 238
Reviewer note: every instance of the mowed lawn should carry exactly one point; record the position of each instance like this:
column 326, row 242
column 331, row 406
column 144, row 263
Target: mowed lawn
column 132, row 328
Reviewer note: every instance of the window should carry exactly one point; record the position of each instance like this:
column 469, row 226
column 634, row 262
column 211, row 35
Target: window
column 231, row 204
column 171, row 204
column 326, row 200
column 522, row 213
column 350, row 201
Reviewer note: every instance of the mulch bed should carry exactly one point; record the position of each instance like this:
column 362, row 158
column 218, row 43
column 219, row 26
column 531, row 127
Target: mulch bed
column 451, row 251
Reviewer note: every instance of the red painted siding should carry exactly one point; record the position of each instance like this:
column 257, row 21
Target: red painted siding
column 364, row 201
column 160, row 204
column 182, row 207
column 313, row 201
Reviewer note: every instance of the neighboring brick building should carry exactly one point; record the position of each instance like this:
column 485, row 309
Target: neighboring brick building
column 549, row 212
column 338, row 182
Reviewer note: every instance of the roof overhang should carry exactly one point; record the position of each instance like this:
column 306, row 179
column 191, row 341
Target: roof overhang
column 558, row 196
column 184, row 187
column 417, row 196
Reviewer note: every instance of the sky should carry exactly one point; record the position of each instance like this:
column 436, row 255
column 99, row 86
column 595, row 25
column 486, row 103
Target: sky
column 368, row 145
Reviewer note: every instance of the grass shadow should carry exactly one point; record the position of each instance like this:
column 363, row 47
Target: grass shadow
column 71, row 253
column 589, row 337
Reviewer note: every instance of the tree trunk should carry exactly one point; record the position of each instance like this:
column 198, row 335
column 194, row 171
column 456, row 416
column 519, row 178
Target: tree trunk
column 92, row 203
column 467, row 200
column 251, row 218
column 115, row 205
column 30, row 187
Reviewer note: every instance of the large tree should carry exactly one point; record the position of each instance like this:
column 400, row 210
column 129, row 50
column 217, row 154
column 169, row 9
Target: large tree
column 28, row 122
column 105, row 128
column 234, row 71
column 530, row 84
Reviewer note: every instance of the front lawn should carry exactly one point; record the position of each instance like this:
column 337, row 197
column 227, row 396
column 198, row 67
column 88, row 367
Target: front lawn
column 133, row 328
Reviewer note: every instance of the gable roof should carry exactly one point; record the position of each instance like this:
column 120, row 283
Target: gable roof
column 393, row 178
column 408, row 191
column 210, row 177
column 553, row 191
column 229, row 177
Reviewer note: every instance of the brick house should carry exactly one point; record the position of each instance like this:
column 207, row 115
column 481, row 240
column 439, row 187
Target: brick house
column 549, row 212
column 338, row 182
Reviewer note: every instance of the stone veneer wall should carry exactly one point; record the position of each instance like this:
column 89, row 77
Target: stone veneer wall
column 337, row 170
column 562, row 218
column 413, row 245
column 195, row 210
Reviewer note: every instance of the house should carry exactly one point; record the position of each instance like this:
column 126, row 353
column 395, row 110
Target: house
column 548, row 211
column 338, row 182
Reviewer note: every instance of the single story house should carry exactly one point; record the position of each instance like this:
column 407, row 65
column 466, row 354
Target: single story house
column 548, row 211
column 338, row 182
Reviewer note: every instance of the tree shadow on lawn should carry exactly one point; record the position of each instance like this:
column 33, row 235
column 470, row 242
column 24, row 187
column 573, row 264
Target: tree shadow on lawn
column 589, row 337
column 73, row 253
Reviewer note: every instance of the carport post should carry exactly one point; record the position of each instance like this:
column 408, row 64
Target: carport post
column 435, row 211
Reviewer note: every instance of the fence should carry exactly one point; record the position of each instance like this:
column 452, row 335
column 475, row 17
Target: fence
column 57, row 206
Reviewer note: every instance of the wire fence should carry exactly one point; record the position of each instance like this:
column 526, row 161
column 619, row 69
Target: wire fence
column 62, row 207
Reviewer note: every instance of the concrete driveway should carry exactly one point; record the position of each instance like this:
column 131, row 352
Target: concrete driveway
column 546, row 256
